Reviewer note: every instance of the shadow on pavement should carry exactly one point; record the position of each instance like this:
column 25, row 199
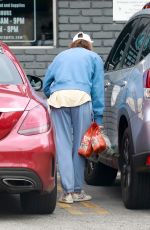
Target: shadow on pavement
column 9, row 204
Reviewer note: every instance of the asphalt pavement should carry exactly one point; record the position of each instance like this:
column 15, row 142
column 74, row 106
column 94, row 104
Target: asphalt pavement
column 104, row 212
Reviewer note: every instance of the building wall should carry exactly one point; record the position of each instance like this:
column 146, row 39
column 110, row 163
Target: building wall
column 90, row 16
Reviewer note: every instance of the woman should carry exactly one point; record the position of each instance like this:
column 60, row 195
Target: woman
column 74, row 84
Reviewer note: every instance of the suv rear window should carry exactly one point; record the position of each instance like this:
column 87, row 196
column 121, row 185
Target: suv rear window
column 8, row 71
column 115, row 57
column 138, row 38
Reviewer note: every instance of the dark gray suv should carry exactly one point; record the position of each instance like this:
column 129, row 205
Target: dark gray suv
column 127, row 115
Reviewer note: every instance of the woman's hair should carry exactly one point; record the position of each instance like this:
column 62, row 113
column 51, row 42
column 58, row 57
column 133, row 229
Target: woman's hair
column 81, row 43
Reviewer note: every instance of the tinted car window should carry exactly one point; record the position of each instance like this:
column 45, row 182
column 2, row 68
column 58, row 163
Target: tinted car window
column 146, row 47
column 118, row 50
column 8, row 71
column 136, row 43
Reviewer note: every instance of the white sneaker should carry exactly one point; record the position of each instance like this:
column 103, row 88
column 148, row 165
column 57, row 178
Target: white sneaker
column 66, row 198
column 82, row 196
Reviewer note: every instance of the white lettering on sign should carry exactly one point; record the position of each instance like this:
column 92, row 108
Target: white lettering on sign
column 14, row 24
column 11, row 29
column 6, row 37
column 20, row 21
column 19, row 37
column 19, row 5
column 4, row 21
column 5, row 13
column 7, row 5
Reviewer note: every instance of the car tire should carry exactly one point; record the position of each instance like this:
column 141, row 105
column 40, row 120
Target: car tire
column 99, row 174
column 39, row 203
column 135, row 186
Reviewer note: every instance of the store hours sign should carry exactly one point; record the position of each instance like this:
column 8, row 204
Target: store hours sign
column 17, row 21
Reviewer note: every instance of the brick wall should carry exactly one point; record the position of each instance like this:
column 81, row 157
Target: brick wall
column 91, row 16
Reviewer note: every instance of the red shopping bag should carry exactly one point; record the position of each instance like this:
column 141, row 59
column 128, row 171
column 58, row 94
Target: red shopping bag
column 85, row 148
column 98, row 141
column 92, row 141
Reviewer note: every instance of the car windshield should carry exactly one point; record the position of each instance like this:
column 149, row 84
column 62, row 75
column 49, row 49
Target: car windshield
column 8, row 71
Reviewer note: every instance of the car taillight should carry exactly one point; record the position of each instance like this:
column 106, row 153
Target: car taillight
column 147, row 79
column 146, row 83
column 36, row 121
column 148, row 161
column 8, row 121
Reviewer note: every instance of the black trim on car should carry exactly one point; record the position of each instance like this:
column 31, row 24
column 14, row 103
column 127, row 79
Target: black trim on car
column 139, row 162
column 16, row 180
column 123, row 112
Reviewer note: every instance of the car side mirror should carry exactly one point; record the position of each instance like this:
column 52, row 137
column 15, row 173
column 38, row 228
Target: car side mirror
column 35, row 82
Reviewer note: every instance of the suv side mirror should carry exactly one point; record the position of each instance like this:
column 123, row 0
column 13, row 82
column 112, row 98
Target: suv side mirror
column 35, row 82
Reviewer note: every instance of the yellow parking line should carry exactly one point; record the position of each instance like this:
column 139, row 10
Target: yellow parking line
column 75, row 209
column 89, row 204
column 72, row 210
column 59, row 188
column 101, row 211
column 63, row 205
column 96, row 208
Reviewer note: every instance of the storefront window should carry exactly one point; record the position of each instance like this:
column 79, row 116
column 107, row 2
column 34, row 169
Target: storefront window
column 27, row 22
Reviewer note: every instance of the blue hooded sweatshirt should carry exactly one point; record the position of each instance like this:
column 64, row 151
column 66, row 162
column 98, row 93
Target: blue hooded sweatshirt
column 78, row 69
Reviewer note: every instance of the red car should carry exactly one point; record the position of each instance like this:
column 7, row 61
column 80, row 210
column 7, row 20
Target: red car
column 27, row 149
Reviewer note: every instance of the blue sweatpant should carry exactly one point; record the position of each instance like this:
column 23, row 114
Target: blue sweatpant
column 70, row 125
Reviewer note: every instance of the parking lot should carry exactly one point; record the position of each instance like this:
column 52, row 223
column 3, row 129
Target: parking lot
column 104, row 211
